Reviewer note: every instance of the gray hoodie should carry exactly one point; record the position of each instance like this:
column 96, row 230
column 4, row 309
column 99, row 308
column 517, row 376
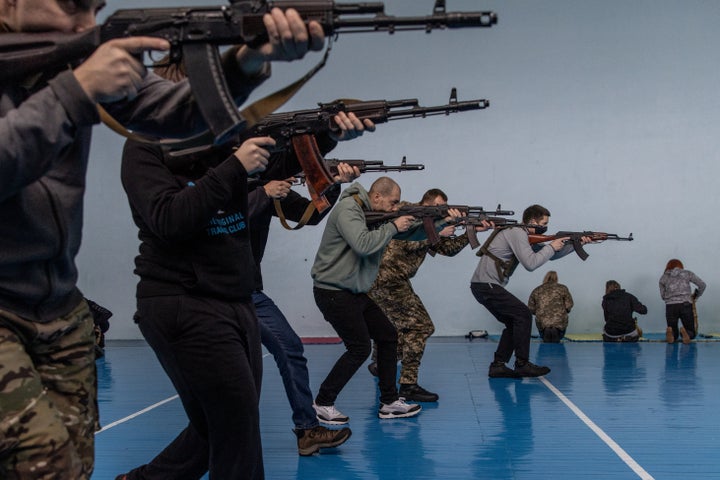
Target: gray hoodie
column 513, row 242
column 675, row 285
column 349, row 254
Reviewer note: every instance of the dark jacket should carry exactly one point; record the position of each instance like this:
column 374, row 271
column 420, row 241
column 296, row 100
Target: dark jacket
column 192, row 224
column 618, row 307
column 46, row 131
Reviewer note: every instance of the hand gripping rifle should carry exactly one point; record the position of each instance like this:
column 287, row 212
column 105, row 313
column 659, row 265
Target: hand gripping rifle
column 298, row 130
column 195, row 33
column 471, row 221
column 430, row 213
column 576, row 239
column 364, row 166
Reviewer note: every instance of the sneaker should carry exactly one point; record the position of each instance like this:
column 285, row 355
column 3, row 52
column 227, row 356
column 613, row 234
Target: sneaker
column 312, row 440
column 398, row 409
column 413, row 391
column 373, row 369
column 500, row 370
column 330, row 415
column 530, row 370
column 669, row 337
column 685, row 336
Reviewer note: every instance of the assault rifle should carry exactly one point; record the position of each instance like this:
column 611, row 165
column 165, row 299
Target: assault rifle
column 576, row 239
column 430, row 213
column 195, row 33
column 471, row 222
column 298, row 130
column 364, row 166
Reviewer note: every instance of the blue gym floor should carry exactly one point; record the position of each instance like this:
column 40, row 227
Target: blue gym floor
column 615, row 411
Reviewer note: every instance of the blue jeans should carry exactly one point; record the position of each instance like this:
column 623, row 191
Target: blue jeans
column 283, row 343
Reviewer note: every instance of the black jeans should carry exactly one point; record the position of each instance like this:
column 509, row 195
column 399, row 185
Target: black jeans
column 211, row 351
column 684, row 312
column 357, row 319
column 516, row 316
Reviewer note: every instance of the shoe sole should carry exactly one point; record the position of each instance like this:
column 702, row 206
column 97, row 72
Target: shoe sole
column 414, row 398
column 390, row 416
column 305, row 452
column 685, row 337
column 332, row 422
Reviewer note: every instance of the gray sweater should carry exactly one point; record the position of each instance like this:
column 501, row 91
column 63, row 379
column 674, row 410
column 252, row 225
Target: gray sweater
column 349, row 254
column 514, row 242
column 675, row 286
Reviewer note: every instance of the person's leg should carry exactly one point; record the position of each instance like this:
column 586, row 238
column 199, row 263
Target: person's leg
column 211, row 352
column 688, row 322
column 672, row 314
column 48, row 401
column 286, row 347
column 344, row 311
column 413, row 333
column 383, row 332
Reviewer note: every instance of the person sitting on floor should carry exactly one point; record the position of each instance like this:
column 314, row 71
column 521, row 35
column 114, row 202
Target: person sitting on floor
column 618, row 307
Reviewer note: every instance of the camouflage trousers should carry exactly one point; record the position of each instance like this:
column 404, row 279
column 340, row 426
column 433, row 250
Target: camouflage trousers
column 48, row 397
column 414, row 326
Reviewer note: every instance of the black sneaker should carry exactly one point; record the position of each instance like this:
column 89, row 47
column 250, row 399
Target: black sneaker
column 415, row 392
column 500, row 370
column 372, row 367
column 313, row 439
column 528, row 369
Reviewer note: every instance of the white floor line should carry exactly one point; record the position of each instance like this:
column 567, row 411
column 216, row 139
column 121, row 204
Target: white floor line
column 136, row 414
column 144, row 410
column 599, row 432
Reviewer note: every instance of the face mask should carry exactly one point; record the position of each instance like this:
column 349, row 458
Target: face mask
column 539, row 229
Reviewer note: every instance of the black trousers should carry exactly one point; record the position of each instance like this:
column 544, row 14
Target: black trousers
column 357, row 320
column 513, row 313
column 682, row 312
column 211, row 351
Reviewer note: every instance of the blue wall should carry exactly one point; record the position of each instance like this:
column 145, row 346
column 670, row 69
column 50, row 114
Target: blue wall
column 604, row 112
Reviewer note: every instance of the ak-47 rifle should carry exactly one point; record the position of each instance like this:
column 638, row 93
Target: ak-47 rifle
column 471, row 222
column 430, row 213
column 364, row 166
column 195, row 33
column 298, row 130
column 576, row 239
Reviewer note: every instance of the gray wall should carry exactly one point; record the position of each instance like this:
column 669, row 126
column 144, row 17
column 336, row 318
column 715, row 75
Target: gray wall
column 604, row 112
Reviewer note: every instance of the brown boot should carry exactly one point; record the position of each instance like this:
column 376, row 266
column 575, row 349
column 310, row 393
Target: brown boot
column 313, row 439
column 684, row 335
column 669, row 337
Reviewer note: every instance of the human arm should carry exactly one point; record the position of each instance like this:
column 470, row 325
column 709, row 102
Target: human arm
column 699, row 283
column 173, row 207
column 637, row 306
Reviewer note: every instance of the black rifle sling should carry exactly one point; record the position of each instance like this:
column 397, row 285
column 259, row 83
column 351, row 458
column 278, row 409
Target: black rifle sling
column 504, row 268
column 252, row 113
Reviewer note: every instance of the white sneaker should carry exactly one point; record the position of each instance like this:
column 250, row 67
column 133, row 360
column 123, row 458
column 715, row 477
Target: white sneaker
column 398, row 409
column 330, row 415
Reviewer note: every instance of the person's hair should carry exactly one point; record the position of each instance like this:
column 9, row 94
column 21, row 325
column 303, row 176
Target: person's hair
column 383, row 186
column 611, row 285
column 551, row 277
column 432, row 194
column 674, row 263
column 534, row 212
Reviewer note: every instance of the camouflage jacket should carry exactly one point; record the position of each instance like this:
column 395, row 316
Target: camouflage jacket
column 551, row 303
column 403, row 258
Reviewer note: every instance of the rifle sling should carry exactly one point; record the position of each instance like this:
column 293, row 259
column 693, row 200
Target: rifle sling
column 504, row 268
column 252, row 114
column 303, row 220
